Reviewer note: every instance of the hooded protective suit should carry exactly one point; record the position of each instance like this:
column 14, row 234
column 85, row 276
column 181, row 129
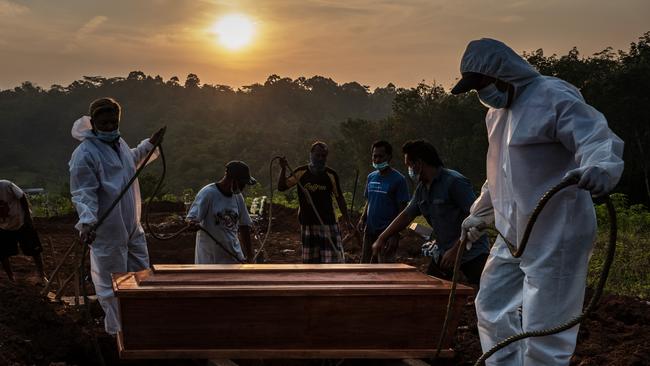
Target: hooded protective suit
column 547, row 131
column 98, row 173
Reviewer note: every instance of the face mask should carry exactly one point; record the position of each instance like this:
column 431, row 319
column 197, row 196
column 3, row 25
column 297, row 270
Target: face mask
column 414, row 176
column 108, row 136
column 492, row 97
column 316, row 166
column 235, row 188
column 380, row 166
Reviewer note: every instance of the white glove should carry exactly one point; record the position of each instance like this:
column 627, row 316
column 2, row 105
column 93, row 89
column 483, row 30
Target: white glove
column 473, row 227
column 594, row 179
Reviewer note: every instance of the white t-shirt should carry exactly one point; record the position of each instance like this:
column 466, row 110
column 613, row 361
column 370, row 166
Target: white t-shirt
column 222, row 216
column 11, row 212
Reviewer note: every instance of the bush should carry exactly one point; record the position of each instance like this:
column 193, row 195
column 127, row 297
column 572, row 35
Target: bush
column 47, row 205
column 629, row 274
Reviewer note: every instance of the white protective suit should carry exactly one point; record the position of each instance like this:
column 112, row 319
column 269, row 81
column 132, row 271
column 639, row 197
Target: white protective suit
column 547, row 131
column 97, row 176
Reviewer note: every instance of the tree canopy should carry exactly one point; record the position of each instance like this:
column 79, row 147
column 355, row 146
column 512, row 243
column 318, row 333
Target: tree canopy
column 208, row 125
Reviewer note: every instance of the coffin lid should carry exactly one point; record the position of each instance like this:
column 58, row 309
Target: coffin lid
column 279, row 280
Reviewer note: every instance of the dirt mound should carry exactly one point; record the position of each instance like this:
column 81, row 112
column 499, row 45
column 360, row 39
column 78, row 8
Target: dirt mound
column 34, row 331
column 616, row 334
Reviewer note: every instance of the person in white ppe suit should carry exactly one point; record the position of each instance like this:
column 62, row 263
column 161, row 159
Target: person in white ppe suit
column 100, row 168
column 540, row 131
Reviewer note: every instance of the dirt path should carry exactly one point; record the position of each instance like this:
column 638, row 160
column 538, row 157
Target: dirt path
column 34, row 331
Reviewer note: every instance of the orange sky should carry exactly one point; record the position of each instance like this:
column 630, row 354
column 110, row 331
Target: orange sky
column 372, row 42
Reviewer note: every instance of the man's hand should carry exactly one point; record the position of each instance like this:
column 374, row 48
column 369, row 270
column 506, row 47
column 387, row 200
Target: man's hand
column 193, row 225
column 157, row 137
column 361, row 225
column 378, row 246
column 284, row 164
column 87, row 234
column 381, row 246
column 449, row 258
column 594, row 179
column 349, row 227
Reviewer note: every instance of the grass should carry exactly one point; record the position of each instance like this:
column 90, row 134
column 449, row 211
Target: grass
column 629, row 274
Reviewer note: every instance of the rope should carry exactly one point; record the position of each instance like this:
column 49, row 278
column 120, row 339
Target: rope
column 84, row 250
column 313, row 206
column 609, row 259
column 268, row 226
column 518, row 251
column 185, row 228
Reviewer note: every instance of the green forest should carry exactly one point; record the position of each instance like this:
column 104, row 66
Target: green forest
column 209, row 125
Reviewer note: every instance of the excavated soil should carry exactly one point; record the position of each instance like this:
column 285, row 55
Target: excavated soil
column 36, row 331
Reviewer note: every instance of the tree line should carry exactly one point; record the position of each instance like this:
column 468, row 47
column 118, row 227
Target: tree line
column 209, row 125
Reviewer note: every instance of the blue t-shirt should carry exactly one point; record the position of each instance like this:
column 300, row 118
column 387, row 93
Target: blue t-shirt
column 444, row 205
column 384, row 195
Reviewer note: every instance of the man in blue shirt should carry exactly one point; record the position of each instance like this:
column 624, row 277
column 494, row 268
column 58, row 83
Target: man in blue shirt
column 444, row 197
column 386, row 196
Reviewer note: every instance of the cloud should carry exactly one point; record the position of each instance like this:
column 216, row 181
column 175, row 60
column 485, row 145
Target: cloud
column 7, row 8
column 90, row 27
column 511, row 19
column 82, row 33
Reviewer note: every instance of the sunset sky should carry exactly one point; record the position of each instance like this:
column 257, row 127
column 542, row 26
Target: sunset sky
column 372, row 42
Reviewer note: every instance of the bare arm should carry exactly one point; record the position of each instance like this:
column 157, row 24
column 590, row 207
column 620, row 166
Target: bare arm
column 245, row 239
column 25, row 206
column 399, row 223
column 282, row 181
column 364, row 216
column 343, row 207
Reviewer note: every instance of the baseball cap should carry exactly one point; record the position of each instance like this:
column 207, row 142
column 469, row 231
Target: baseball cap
column 238, row 170
column 469, row 81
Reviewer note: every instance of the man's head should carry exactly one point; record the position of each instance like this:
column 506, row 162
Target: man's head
column 105, row 114
column 381, row 152
column 495, row 71
column 420, row 155
column 318, row 156
column 238, row 176
column 492, row 92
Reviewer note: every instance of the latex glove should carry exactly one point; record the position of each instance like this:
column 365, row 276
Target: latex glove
column 86, row 234
column 472, row 228
column 594, row 179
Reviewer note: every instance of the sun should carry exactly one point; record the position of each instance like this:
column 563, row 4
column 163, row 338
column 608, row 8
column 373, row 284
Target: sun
column 234, row 31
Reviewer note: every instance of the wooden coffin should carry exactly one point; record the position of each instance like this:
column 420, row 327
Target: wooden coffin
column 283, row 311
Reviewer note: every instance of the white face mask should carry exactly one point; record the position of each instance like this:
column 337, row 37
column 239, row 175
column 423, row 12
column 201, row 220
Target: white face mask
column 415, row 176
column 234, row 188
column 380, row 166
column 492, row 97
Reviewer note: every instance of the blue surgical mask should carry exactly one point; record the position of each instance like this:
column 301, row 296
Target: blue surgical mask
column 492, row 97
column 380, row 166
column 108, row 136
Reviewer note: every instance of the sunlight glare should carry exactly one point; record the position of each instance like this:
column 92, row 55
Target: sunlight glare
column 234, row 31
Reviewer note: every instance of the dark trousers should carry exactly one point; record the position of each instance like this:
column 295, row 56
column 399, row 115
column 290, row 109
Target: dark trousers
column 472, row 270
column 26, row 236
column 384, row 256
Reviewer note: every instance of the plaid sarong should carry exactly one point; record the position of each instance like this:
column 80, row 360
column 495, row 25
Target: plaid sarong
column 317, row 248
